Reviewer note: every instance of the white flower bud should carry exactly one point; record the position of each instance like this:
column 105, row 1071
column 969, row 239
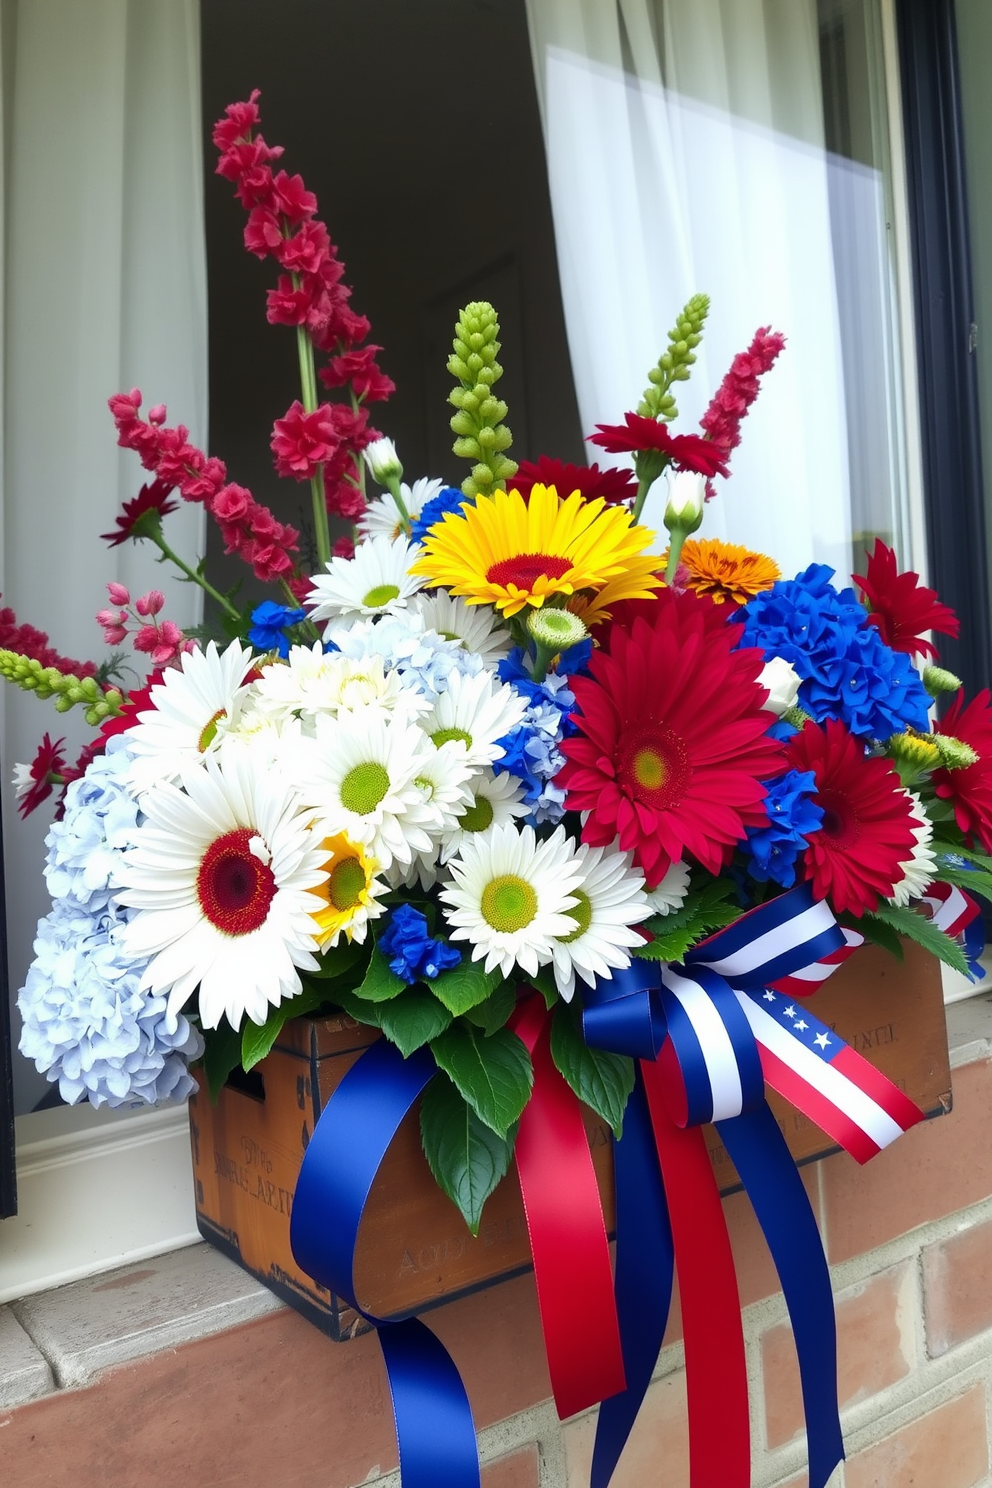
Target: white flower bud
column 782, row 681
column 686, row 495
column 383, row 461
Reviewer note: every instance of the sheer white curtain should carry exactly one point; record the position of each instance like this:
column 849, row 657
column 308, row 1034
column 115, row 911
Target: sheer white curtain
column 685, row 152
column 104, row 288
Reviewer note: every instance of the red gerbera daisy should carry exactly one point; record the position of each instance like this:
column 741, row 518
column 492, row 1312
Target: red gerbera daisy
column 970, row 788
column 856, row 857
column 901, row 607
column 672, row 745
column 34, row 782
column 686, row 451
column 613, row 485
column 143, row 513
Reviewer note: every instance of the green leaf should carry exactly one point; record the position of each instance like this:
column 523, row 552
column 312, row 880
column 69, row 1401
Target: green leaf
column 464, row 986
column 340, row 959
column 256, row 1041
column 496, row 1009
column 543, row 981
column 494, row 1074
column 907, row 922
column 412, row 1020
column 668, row 947
column 380, row 983
column 878, row 934
column 707, row 908
column 976, row 880
column 467, row 1158
column 604, row 1081
column 369, row 1013
column 221, row 1055
column 970, row 854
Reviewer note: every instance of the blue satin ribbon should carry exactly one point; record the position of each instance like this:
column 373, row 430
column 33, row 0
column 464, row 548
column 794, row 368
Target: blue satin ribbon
column 434, row 1426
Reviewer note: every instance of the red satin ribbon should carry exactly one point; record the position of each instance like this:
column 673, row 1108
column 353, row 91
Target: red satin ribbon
column 716, row 1369
column 567, row 1231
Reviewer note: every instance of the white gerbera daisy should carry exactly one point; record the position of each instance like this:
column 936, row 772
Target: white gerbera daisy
column 191, row 711
column 381, row 516
column 312, row 681
column 611, row 899
column 374, row 582
column 492, row 801
column 222, row 877
column 359, row 771
column 511, row 895
column 443, row 779
column 474, row 625
column 669, row 895
column 918, row 871
column 475, row 712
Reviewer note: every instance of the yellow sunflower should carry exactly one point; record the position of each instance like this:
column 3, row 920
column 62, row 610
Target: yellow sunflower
column 509, row 552
column 726, row 570
column 349, row 893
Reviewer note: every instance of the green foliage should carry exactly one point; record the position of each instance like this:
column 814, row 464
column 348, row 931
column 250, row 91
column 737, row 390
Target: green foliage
column 914, row 926
column 604, row 1081
column 221, row 1055
column 973, row 880
column 380, row 983
column 464, row 986
column 256, row 1041
column 675, row 362
column 496, row 1009
column 707, row 908
column 877, row 932
column 494, row 1074
column 465, row 1155
column 478, row 423
column 412, row 1020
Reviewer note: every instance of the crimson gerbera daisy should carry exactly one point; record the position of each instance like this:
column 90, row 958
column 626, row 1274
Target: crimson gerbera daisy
column 859, row 854
column 901, row 607
column 143, row 514
column 686, row 451
column 613, row 485
column 969, row 788
column 34, row 782
column 672, row 744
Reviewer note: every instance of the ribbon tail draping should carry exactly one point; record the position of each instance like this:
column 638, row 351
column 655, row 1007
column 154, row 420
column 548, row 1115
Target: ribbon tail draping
column 719, row 1454
column 643, row 1287
column 434, row 1426
column 567, row 1231
column 771, row 1180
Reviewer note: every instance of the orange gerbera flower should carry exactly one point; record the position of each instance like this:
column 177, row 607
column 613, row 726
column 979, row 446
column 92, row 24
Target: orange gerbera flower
column 727, row 571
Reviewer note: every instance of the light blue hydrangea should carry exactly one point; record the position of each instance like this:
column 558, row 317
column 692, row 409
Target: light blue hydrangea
column 87, row 1023
column 424, row 659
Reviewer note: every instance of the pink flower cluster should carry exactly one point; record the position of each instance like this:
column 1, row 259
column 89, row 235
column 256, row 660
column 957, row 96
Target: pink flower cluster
column 162, row 640
column 249, row 529
column 27, row 641
column 738, row 390
column 309, row 292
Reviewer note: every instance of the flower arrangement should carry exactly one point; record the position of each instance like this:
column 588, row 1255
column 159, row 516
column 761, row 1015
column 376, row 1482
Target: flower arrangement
column 499, row 751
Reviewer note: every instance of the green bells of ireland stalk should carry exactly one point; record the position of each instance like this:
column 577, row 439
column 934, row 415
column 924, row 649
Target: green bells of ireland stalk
column 478, row 423
column 674, row 365
column 67, row 690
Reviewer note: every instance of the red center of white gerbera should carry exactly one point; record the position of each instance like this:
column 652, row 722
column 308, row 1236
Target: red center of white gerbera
column 524, row 569
column 652, row 766
column 234, row 887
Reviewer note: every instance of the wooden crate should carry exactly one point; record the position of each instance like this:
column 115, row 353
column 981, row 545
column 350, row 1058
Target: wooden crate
column 414, row 1249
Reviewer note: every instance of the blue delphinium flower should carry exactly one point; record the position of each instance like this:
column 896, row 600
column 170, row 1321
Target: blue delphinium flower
column 410, row 950
column 846, row 670
column 448, row 499
column 269, row 624
column 531, row 749
column 87, row 1022
column 792, row 817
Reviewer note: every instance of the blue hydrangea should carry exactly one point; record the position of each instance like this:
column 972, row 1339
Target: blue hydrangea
column 448, row 499
column 423, row 659
column 531, row 749
column 269, row 624
column 87, row 1023
column 410, row 950
column 792, row 817
column 846, row 670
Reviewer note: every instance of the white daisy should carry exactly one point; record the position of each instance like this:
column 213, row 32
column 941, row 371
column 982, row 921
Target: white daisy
column 359, row 771
column 221, row 876
column 511, row 895
column 918, row 871
column 374, row 582
column 669, row 894
column 381, row 516
column 191, row 711
column 475, row 626
column 312, row 681
column 610, row 899
column 475, row 712
column 492, row 801
column 444, row 780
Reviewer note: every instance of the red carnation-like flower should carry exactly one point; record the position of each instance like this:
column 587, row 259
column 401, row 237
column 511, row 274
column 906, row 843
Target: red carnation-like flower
column 686, row 451
column 672, row 744
column 301, row 441
column 739, row 388
column 856, row 857
column 901, row 607
column 34, row 783
column 141, row 513
column 969, row 789
column 614, row 486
